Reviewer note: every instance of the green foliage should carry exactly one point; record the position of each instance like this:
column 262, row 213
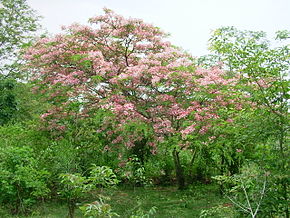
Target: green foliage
column 264, row 76
column 159, row 169
column 143, row 214
column 237, row 47
column 208, row 61
column 134, row 172
column 220, row 211
column 102, row 176
column 98, row 209
column 61, row 157
column 75, row 186
column 283, row 34
column 22, row 183
column 251, row 55
column 247, row 189
column 85, row 139
column 8, row 104
column 17, row 103
column 18, row 21
column 275, row 202
column 76, row 148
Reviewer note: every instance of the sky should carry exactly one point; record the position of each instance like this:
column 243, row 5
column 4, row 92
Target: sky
column 189, row 22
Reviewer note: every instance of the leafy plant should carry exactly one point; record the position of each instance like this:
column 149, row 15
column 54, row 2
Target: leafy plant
column 135, row 173
column 102, row 176
column 22, row 183
column 247, row 189
column 98, row 208
column 75, row 186
column 218, row 211
column 140, row 213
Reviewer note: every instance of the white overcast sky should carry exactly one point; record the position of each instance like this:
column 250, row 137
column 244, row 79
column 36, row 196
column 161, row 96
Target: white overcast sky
column 189, row 22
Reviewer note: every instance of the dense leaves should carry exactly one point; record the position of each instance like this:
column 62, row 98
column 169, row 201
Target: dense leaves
column 22, row 182
column 8, row 104
column 17, row 21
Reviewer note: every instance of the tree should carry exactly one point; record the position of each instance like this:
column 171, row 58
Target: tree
column 8, row 105
column 154, row 91
column 18, row 21
column 264, row 75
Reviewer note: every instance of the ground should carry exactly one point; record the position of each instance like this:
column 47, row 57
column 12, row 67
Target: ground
column 169, row 202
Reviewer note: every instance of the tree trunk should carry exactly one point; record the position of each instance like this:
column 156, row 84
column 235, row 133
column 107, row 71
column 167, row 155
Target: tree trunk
column 178, row 170
column 191, row 166
column 222, row 172
column 284, row 183
column 71, row 209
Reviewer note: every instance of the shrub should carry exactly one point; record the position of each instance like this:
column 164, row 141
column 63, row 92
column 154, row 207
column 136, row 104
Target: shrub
column 22, row 183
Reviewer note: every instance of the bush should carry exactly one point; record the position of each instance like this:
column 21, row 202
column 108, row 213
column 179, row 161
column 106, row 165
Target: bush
column 247, row 189
column 22, row 183
column 76, row 186
column 98, row 208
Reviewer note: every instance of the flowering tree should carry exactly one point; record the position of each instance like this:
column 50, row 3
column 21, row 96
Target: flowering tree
column 154, row 90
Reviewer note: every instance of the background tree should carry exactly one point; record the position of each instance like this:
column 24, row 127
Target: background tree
column 264, row 75
column 18, row 22
column 8, row 105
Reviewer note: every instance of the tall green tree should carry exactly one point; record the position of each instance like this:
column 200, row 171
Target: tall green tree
column 8, row 105
column 18, row 22
column 263, row 70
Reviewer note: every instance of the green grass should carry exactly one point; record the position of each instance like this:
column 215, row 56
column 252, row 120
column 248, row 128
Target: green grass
column 169, row 201
column 46, row 210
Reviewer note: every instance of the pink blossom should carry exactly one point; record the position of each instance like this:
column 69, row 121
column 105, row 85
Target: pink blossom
column 188, row 130
column 204, row 129
column 155, row 79
column 45, row 115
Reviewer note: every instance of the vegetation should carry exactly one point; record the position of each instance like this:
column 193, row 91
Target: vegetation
column 113, row 120
column 166, row 201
